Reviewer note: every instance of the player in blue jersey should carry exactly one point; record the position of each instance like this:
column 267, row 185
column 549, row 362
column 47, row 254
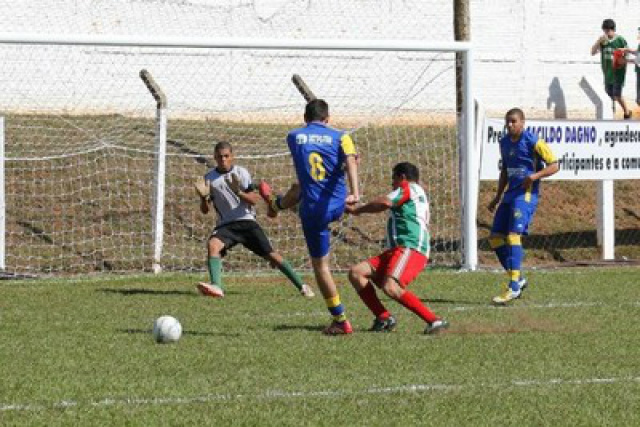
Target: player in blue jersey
column 320, row 156
column 525, row 161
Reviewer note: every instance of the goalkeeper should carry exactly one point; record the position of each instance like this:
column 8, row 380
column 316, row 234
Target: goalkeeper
column 229, row 189
column 407, row 253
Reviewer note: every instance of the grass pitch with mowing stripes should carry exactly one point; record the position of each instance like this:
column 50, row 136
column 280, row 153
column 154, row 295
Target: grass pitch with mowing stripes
column 80, row 352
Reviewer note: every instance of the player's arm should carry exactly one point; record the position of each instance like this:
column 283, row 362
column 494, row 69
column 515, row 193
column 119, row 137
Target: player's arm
column 249, row 196
column 204, row 205
column 351, row 163
column 243, row 188
column 602, row 40
column 291, row 197
column 396, row 198
column 380, row 204
column 352, row 175
column 203, row 190
column 549, row 159
column 502, row 185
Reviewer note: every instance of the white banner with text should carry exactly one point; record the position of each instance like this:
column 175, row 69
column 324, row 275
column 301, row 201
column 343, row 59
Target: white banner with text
column 585, row 149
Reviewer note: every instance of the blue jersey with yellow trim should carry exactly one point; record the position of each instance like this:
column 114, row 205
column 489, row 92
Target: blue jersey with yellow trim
column 522, row 158
column 319, row 152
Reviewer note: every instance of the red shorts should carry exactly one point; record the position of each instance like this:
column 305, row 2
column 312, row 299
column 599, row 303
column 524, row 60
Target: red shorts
column 402, row 264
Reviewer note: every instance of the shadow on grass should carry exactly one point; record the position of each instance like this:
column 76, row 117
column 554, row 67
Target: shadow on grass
column 141, row 291
column 452, row 301
column 187, row 333
column 298, row 328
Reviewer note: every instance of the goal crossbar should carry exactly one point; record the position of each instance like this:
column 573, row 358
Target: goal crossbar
column 234, row 43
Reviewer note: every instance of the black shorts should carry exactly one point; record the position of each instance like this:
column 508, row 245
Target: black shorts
column 614, row 89
column 247, row 233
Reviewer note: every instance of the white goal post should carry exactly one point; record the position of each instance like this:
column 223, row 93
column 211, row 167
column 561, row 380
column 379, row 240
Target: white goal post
column 406, row 126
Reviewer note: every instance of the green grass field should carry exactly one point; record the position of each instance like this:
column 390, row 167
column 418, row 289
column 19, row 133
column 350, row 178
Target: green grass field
column 80, row 353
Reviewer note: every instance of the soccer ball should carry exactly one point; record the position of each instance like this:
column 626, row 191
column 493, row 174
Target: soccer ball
column 166, row 329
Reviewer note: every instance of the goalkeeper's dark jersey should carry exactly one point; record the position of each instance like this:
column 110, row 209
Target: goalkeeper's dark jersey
column 319, row 152
column 522, row 158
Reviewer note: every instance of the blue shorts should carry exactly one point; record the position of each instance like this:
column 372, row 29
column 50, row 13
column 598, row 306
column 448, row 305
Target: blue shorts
column 513, row 217
column 315, row 226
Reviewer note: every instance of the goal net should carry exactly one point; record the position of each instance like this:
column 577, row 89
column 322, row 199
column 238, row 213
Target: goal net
column 80, row 131
column 80, row 147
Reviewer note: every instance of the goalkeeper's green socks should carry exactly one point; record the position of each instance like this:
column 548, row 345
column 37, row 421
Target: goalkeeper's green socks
column 215, row 271
column 291, row 275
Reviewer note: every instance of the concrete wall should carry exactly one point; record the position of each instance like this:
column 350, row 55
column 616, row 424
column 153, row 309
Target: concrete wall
column 529, row 53
column 535, row 53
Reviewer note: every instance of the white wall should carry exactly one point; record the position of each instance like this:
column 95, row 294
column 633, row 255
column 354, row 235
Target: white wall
column 533, row 52
column 530, row 53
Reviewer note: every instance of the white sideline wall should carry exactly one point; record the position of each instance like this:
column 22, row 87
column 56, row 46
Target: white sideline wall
column 528, row 53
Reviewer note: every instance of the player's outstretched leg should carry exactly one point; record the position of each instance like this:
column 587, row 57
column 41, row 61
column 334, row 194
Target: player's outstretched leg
column 384, row 324
column 436, row 327
column 214, row 288
column 359, row 277
column 210, row 290
column 338, row 328
column 340, row 325
column 409, row 300
column 276, row 260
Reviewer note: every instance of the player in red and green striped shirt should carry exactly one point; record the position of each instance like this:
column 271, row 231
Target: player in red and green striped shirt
column 407, row 253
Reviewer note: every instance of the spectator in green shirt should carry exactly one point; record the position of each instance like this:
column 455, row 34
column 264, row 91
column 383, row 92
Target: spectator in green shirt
column 606, row 44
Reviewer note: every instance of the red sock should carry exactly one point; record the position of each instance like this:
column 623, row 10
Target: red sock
column 370, row 298
column 413, row 303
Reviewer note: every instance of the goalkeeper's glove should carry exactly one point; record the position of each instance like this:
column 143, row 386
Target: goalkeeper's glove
column 203, row 187
column 233, row 182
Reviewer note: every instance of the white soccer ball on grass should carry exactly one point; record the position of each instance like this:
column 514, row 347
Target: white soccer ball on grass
column 166, row 329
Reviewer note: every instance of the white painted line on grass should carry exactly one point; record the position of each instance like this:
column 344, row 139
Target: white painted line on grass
column 285, row 395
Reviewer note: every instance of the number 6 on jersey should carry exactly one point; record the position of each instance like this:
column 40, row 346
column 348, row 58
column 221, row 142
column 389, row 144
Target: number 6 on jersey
column 318, row 172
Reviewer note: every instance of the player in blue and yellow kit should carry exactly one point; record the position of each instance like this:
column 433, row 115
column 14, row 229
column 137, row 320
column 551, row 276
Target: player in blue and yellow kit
column 525, row 161
column 320, row 156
